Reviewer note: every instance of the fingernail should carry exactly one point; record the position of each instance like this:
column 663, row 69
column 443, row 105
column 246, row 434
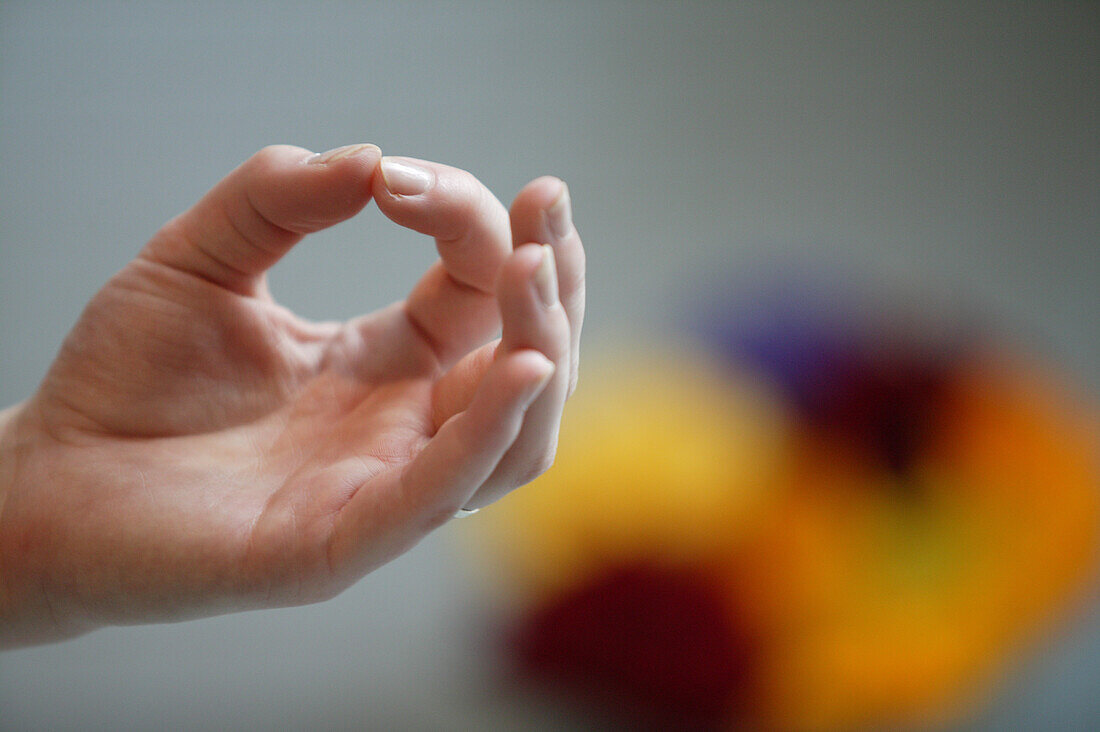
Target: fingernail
column 339, row 153
column 405, row 178
column 546, row 277
column 560, row 214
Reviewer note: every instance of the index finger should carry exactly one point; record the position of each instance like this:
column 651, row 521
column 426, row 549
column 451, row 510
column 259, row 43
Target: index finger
column 453, row 305
column 469, row 225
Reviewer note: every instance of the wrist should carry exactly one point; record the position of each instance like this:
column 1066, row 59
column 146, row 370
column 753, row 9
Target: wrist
column 26, row 615
column 8, row 458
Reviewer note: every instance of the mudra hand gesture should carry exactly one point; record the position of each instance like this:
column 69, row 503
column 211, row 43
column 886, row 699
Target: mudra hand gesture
column 197, row 448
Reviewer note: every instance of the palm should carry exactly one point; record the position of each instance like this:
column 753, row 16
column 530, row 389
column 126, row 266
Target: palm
column 280, row 425
column 250, row 458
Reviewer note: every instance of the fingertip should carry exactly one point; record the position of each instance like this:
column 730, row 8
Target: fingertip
column 540, row 194
column 523, row 262
column 529, row 266
column 523, row 374
column 536, row 370
column 448, row 204
column 303, row 191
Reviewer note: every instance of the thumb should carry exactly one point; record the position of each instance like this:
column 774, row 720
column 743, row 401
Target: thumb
column 253, row 216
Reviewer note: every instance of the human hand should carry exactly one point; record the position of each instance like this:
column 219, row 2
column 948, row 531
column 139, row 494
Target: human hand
column 198, row 449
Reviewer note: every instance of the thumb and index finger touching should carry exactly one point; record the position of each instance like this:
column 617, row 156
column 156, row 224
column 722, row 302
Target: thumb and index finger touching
column 257, row 213
column 254, row 216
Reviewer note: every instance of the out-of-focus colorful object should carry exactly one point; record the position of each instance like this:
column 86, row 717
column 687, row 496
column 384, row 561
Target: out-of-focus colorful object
column 801, row 522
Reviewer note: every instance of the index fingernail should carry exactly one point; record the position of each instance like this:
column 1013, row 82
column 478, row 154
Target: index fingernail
column 404, row 178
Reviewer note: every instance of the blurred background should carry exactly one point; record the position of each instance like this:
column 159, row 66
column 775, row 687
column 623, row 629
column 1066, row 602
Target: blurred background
column 943, row 155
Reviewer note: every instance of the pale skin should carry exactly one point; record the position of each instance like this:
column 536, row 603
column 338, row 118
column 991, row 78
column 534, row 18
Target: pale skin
column 198, row 449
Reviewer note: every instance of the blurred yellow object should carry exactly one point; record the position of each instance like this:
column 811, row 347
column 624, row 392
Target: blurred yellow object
column 660, row 459
column 855, row 596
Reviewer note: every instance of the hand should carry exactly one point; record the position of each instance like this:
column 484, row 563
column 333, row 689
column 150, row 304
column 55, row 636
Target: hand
column 197, row 449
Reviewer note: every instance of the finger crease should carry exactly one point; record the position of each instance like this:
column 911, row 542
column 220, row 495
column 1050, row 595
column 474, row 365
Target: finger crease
column 280, row 231
column 211, row 253
column 467, row 287
column 434, row 346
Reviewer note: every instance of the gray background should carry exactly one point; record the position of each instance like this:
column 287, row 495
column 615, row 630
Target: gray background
column 945, row 149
